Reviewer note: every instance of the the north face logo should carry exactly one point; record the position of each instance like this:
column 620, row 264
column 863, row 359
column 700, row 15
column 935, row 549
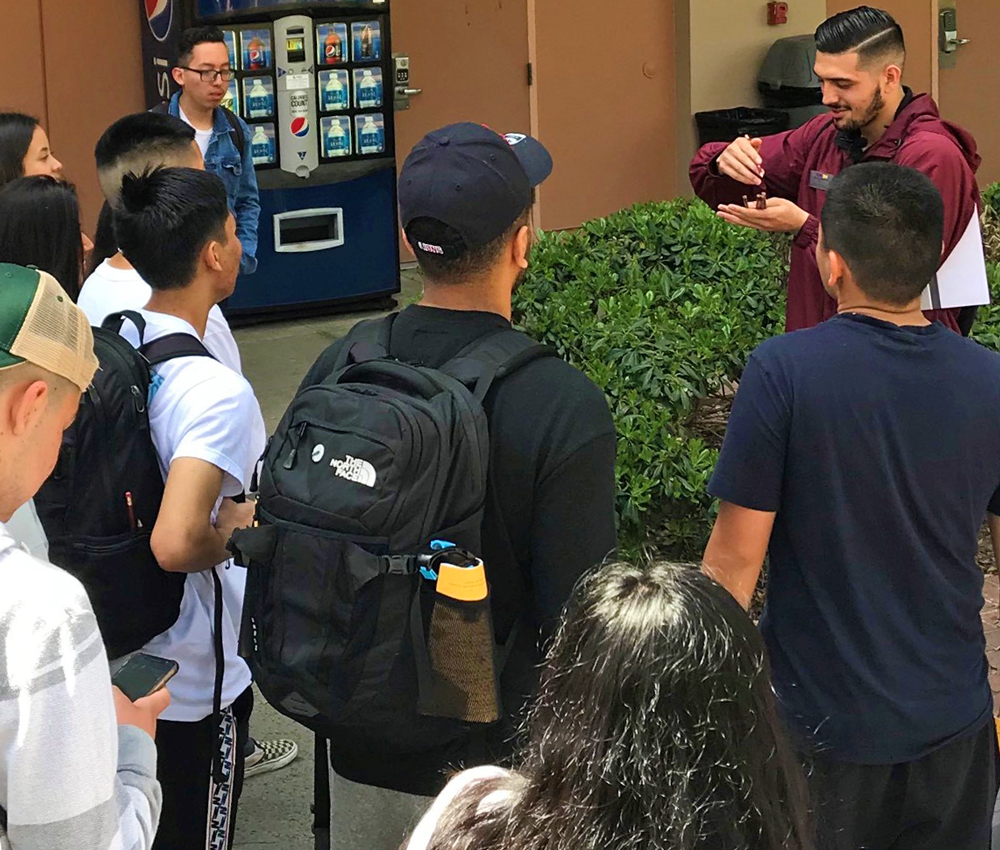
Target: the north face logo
column 355, row 469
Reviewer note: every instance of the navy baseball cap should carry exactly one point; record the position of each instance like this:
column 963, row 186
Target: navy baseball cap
column 472, row 179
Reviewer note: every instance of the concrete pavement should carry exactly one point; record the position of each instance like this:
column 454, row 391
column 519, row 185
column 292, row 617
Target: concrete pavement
column 274, row 810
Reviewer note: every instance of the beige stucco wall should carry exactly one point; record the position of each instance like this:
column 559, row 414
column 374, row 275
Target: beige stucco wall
column 729, row 39
column 720, row 47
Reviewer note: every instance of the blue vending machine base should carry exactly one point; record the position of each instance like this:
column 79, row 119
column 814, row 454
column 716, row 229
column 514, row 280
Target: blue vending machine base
column 321, row 247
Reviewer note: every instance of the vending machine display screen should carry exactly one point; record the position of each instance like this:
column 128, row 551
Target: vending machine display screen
column 296, row 48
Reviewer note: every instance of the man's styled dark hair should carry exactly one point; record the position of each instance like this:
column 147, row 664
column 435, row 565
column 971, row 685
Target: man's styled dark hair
column 194, row 36
column 887, row 222
column 460, row 263
column 16, row 131
column 871, row 33
column 40, row 226
column 139, row 142
column 655, row 726
column 163, row 220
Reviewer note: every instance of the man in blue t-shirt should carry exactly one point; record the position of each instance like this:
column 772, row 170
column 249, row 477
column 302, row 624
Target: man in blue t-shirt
column 863, row 455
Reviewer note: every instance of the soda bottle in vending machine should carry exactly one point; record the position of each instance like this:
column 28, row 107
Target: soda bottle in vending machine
column 333, row 47
column 256, row 54
column 371, row 137
column 367, row 43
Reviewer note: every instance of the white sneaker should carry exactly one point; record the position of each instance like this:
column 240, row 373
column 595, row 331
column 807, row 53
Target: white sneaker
column 268, row 756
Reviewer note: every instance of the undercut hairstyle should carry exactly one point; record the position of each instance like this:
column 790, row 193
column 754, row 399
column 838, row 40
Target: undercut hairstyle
column 16, row 131
column 887, row 222
column 40, row 226
column 163, row 220
column 655, row 726
column 871, row 33
column 138, row 143
column 459, row 263
column 194, row 36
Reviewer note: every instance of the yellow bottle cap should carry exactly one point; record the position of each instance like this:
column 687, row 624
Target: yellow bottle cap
column 466, row 584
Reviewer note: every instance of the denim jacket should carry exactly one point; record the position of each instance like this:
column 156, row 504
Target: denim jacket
column 236, row 170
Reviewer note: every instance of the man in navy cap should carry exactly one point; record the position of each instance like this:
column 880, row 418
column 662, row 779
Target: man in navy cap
column 465, row 195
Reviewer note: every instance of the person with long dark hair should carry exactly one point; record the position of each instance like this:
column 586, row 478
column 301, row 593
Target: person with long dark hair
column 655, row 727
column 40, row 226
column 24, row 149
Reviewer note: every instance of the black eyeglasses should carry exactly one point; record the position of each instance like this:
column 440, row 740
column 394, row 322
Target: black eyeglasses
column 210, row 75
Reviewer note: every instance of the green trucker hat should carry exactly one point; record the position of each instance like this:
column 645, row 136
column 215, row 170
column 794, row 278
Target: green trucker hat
column 40, row 324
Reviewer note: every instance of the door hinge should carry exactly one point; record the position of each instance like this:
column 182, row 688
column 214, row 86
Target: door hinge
column 531, row 74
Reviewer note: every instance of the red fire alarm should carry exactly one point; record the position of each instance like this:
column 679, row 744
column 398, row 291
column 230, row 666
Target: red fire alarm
column 777, row 13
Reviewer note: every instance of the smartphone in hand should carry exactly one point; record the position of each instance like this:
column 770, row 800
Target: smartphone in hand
column 143, row 675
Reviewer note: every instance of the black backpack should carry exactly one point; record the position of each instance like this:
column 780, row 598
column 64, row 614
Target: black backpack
column 365, row 470
column 100, row 503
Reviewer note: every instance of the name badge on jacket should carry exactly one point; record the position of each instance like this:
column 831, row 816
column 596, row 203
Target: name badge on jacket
column 819, row 180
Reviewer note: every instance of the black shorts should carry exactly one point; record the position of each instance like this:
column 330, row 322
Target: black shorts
column 943, row 801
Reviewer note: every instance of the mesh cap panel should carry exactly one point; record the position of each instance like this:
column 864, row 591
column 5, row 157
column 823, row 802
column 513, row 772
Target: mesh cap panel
column 56, row 335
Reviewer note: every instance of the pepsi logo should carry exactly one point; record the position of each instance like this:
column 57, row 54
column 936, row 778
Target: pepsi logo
column 300, row 127
column 256, row 56
column 159, row 16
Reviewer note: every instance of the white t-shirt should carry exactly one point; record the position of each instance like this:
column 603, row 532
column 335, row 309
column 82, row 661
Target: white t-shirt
column 109, row 290
column 202, row 409
column 202, row 137
column 424, row 832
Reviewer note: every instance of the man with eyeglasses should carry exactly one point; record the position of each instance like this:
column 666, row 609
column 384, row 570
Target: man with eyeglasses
column 203, row 72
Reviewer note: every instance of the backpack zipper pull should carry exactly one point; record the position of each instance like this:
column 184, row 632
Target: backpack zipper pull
column 296, row 439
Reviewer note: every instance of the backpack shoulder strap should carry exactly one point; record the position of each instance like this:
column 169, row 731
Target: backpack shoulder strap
column 237, row 127
column 115, row 321
column 367, row 340
column 494, row 357
column 172, row 346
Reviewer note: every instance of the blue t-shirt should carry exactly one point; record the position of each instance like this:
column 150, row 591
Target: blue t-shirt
column 879, row 448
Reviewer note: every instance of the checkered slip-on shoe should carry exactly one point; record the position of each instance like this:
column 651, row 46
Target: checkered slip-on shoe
column 268, row 756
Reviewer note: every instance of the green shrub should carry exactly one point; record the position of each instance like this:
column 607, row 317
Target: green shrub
column 660, row 305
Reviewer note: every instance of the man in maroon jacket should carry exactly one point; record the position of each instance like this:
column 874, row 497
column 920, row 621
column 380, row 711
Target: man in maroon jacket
column 860, row 57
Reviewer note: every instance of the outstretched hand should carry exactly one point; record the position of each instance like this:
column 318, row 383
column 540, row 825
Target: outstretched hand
column 781, row 216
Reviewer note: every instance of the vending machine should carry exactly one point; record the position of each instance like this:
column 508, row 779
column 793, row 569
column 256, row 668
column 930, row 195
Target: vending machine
column 313, row 81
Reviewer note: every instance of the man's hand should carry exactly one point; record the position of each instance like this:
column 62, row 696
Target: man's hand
column 781, row 216
column 742, row 162
column 233, row 515
column 143, row 712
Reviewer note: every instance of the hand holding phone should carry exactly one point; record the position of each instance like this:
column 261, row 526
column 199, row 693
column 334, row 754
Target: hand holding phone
column 143, row 712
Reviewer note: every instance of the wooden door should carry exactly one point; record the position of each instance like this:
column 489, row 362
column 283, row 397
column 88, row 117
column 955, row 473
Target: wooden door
column 606, row 105
column 968, row 90
column 470, row 59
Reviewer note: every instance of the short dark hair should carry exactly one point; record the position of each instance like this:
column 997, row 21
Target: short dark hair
column 16, row 131
column 164, row 218
column 139, row 142
column 887, row 222
column 460, row 262
column 40, row 226
column 871, row 33
column 194, row 36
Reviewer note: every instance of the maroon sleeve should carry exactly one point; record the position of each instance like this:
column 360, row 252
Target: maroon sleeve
column 784, row 157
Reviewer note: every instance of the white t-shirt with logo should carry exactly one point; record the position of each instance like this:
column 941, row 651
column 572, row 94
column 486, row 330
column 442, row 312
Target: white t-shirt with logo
column 109, row 290
column 202, row 137
column 202, row 409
